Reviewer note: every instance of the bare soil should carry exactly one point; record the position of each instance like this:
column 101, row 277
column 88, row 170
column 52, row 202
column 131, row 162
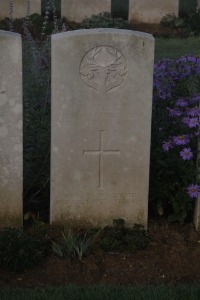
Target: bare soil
column 172, row 257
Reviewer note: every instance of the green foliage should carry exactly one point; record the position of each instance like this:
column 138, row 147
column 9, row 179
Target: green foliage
column 104, row 20
column 172, row 21
column 4, row 24
column 36, row 64
column 170, row 175
column 189, row 25
column 57, row 5
column 193, row 23
column 73, row 245
column 119, row 238
column 37, row 224
column 19, row 251
column 187, row 7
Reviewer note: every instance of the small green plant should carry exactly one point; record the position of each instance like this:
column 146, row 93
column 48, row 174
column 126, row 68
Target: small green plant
column 73, row 245
column 104, row 20
column 37, row 223
column 19, row 250
column 118, row 238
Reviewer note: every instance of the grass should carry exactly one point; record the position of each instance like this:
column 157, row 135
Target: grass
column 176, row 47
column 100, row 292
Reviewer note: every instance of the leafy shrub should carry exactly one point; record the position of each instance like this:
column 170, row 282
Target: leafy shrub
column 193, row 23
column 19, row 251
column 172, row 21
column 103, row 20
column 175, row 131
column 119, row 238
column 189, row 24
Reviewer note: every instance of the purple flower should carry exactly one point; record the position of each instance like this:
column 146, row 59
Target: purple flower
column 191, row 59
column 174, row 112
column 193, row 190
column 167, row 145
column 195, row 99
column 186, row 154
column 182, row 59
column 197, row 133
column 181, row 139
column 185, row 120
column 162, row 95
column 193, row 122
column 181, row 102
column 193, row 111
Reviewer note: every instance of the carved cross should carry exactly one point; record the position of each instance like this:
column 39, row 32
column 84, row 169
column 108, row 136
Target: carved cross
column 100, row 153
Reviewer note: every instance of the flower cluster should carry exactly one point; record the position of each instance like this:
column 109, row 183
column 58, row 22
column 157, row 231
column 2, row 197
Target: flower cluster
column 176, row 84
column 167, row 73
column 193, row 190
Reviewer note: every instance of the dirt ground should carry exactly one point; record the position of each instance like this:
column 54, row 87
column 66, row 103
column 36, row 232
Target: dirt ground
column 172, row 257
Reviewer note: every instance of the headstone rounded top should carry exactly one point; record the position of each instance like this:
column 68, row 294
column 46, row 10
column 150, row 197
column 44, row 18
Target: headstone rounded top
column 103, row 31
column 9, row 33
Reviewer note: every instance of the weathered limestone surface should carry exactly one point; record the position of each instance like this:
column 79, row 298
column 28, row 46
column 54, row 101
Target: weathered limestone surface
column 11, row 176
column 77, row 10
column 101, row 122
column 19, row 8
column 151, row 11
column 198, row 4
column 196, row 219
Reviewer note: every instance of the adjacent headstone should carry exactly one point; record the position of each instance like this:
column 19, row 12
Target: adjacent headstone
column 198, row 5
column 77, row 10
column 101, row 122
column 151, row 11
column 19, row 8
column 196, row 219
column 11, row 174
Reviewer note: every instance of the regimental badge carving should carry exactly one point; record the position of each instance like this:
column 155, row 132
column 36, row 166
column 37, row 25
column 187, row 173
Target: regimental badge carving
column 103, row 68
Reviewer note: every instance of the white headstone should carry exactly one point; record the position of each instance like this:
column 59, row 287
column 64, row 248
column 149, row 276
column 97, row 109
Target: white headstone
column 151, row 11
column 11, row 174
column 198, row 4
column 19, row 8
column 77, row 10
column 101, row 122
column 196, row 218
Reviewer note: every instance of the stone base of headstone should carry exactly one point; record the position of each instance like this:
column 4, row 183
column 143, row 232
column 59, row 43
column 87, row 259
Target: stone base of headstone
column 11, row 157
